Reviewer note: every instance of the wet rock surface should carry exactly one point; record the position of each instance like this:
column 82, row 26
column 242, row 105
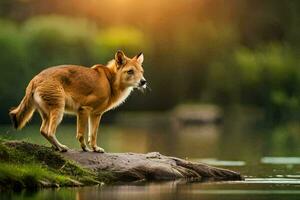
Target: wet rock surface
column 150, row 166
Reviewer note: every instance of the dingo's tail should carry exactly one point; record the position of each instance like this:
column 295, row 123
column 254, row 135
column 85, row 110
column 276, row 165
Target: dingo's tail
column 23, row 113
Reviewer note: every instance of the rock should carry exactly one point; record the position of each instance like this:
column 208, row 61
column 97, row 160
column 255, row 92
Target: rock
column 47, row 183
column 88, row 168
column 150, row 166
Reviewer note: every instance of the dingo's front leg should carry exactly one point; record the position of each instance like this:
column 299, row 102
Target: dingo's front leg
column 82, row 121
column 94, row 121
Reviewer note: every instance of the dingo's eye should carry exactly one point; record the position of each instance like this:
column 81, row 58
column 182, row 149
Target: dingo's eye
column 130, row 72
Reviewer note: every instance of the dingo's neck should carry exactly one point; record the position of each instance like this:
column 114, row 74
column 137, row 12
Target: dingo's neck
column 119, row 92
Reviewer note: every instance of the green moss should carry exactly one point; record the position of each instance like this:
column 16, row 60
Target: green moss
column 26, row 165
column 107, row 176
column 4, row 152
column 32, row 176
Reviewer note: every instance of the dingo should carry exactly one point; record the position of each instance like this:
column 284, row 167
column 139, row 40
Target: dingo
column 86, row 92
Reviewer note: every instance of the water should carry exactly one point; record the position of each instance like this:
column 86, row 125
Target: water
column 269, row 158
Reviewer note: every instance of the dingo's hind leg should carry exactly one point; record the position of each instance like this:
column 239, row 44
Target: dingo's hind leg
column 49, row 100
column 54, row 120
column 44, row 127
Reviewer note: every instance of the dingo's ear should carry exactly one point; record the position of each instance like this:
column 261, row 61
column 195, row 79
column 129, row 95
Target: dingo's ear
column 120, row 59
column 140, row 58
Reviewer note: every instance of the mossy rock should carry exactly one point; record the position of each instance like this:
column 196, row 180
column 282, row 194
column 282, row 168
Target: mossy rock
column 26, row 165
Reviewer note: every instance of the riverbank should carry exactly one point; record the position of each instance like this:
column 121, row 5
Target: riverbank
column 27, row 165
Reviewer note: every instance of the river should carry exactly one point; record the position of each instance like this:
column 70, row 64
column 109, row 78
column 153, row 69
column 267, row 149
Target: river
column 267, row 156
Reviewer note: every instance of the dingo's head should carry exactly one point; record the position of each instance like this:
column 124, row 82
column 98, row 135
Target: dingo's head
column 130, row 71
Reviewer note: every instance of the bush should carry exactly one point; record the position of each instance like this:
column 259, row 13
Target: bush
column 55, row 40
column 109, row 41
column 14, row 68
column 268, row 76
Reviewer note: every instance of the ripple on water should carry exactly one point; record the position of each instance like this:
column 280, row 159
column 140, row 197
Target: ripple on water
column 281, row 160
column 216, row 162
column 246, row 192
column 290, row 181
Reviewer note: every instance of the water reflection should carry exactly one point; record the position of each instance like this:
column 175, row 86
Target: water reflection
column 215, row 162
column 268, row 157
column 252, row 188
column 280, row 160
column 233, row 140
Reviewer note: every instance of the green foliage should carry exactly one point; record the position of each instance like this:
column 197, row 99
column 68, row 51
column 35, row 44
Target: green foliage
column 26, row 165
column 13, row 62
column 268, row 76
column 54, row 40
column 274, row 72
column 245, row 52
column 283, row 136
column 274, row 62
column 29, row 176
column 108, row 41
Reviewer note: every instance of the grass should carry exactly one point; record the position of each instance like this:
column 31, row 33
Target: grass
column 30, row 176
column 25, row 165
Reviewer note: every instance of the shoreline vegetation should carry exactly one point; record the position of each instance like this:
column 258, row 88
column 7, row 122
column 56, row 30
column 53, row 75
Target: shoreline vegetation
column 196, row 52
column 26, row 165
column 30, row 166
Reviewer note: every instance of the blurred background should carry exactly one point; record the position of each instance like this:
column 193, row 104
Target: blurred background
column 220, row 71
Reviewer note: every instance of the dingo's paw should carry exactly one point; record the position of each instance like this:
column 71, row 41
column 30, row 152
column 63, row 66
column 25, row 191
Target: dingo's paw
column 63, row 148
column 55, row 148
column 86, row 149
column 98, row 149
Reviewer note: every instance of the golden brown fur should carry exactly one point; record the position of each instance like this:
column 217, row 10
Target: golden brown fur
column 86, row 92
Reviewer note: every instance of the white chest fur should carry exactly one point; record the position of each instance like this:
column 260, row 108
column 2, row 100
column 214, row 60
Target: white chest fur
column 120, row 99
